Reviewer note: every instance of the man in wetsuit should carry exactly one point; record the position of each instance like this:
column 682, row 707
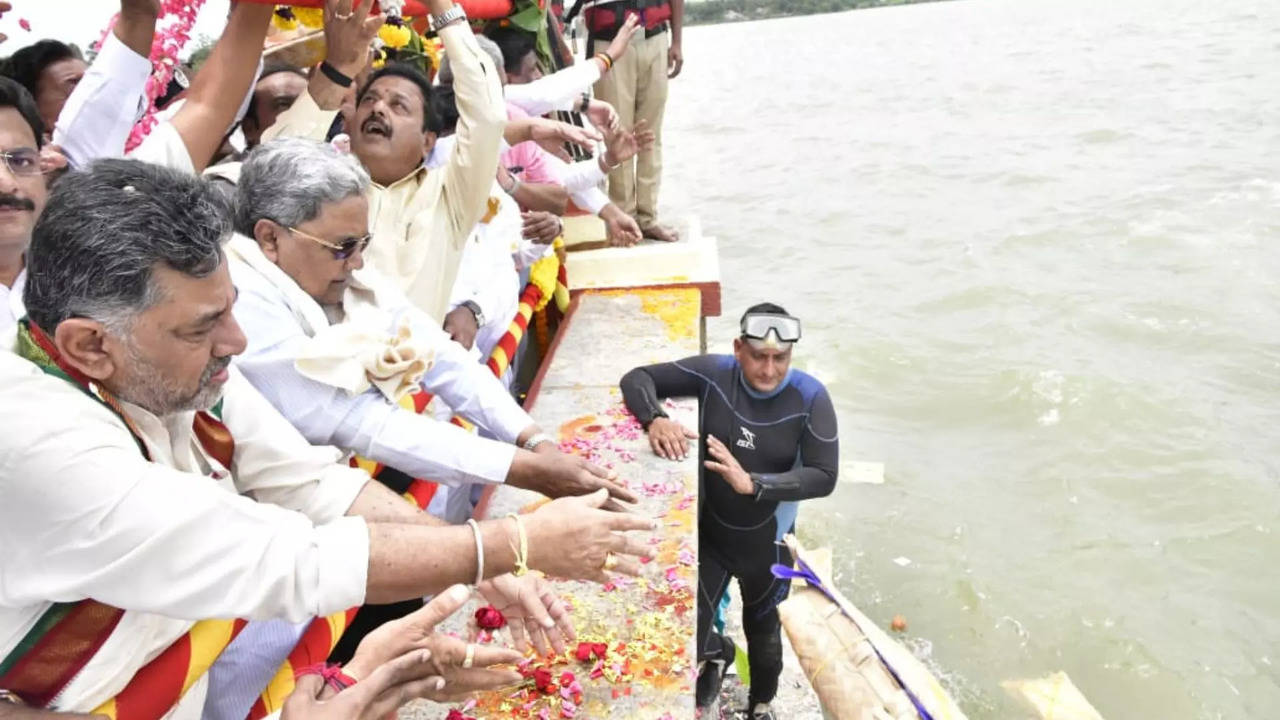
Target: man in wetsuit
column 770, row 441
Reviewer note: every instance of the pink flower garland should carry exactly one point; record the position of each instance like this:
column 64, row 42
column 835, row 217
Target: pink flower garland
column 168, row 42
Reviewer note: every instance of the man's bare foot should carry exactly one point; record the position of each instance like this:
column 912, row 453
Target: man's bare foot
column 661, row 233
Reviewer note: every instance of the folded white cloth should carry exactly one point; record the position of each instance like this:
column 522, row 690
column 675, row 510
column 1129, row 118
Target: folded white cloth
column 355, row 353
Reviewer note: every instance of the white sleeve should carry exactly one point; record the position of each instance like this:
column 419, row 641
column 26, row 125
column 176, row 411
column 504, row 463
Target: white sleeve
column 487, row 278
column 582, row 181
column 528, row 253
column 575, row 177
column 165, row 146
column 593, row 199
column 469, row 387
column 144, row 536
column 560, row 90
column 274, row 464
column 366, row 424
column 108, row 100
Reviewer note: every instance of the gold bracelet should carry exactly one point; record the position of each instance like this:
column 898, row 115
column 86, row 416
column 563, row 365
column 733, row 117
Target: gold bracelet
column 522, row 553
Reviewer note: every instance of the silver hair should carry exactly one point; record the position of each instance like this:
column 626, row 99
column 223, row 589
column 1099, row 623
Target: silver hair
column 104, row 232
column 489, row 47
column 290, row 180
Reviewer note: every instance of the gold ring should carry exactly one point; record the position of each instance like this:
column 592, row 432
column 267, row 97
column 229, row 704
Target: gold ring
column 610, row 561
column 470, row 659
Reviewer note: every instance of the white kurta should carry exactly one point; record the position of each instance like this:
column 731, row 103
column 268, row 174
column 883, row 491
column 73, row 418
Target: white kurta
column 11, row 308
column 367, row 423
column 172, row 541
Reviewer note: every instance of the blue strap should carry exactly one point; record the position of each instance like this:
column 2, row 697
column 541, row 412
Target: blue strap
column 806, row 573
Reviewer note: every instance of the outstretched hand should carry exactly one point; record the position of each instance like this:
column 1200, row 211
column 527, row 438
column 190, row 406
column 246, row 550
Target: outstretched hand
column 348, row 33
column 623, row 145
column 621, row 229
column 603, row 116
column 552, row 135
column 390, row 686
column 574, row 538
column 417, row 631
column 618, row 46
column 534, row 612
column 669, row 439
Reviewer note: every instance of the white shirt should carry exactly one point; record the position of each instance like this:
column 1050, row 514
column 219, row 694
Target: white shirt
column 581, row 180
column 367, row 423
column 104, row 106
column 110, row 99
column 171, row 541
column 11, row 308
column 487, row 275
column 561, row 90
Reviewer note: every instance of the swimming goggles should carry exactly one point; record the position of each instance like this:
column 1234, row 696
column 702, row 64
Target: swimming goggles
column 760, row 326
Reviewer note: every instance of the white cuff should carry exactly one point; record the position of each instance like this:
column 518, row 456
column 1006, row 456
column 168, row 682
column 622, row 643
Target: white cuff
column 593, row 200
column 344, row 570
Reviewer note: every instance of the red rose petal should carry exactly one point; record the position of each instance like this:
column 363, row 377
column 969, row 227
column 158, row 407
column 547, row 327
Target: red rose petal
column 490, row 618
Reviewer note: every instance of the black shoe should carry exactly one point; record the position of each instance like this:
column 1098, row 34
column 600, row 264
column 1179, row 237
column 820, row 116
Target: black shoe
column 762, row 711
column 712, row 675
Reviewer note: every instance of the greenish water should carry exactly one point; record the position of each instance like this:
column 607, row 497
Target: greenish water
column 1035, row 247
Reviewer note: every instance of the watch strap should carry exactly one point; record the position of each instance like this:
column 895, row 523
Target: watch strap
column 335, row 75
column 474, row 307
column 536, row 440
column 448, row 17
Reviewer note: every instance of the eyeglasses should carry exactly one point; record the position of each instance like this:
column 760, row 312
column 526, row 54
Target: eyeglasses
column 348, row 247
column 757, row 326
column 23, row 161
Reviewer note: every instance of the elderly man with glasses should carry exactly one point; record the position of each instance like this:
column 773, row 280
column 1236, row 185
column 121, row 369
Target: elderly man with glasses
column 346, row 358
column 335, row 346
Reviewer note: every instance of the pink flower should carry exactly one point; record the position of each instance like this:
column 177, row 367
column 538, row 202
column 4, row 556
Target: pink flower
column 22, row 23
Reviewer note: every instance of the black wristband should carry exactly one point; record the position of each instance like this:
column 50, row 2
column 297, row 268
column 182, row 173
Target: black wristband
column 335, row 75
column 656, row 415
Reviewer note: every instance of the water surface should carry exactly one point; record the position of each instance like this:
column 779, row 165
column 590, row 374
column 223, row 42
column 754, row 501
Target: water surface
column 1034, row 243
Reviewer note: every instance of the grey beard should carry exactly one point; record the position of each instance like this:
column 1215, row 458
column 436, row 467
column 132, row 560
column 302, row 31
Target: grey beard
column 159, row 397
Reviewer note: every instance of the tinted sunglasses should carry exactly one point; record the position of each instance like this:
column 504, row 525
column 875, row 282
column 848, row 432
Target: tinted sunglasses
column 340, row 252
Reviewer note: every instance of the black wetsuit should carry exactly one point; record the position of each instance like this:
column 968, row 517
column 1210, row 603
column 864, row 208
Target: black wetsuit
column 787, row 441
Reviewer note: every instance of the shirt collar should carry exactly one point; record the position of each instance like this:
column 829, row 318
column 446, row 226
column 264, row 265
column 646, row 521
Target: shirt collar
column 416, row 176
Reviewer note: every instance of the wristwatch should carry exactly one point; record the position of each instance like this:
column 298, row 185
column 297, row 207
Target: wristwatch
column 536, row 440
column 475, row 310
column 448, row 17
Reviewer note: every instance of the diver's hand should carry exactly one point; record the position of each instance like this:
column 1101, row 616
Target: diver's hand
column 669, row 439
column 728, row 467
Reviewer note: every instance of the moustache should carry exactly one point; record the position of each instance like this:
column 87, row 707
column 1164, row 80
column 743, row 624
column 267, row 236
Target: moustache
column 376, row 121
column 216, row 366
column 18, row 203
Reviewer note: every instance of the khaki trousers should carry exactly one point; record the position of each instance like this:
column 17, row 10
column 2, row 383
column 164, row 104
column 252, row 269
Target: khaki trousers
column 637, row 88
